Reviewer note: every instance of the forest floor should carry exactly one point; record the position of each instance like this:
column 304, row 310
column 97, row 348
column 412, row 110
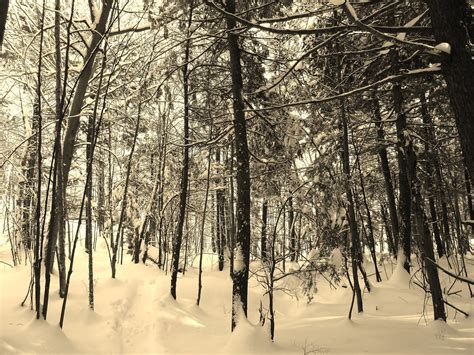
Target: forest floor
column 135, row 314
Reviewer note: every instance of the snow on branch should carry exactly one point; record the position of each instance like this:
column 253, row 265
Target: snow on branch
column 351, row 13
column 321, row 30
column 295, row 63
column 435, row 69
column 457, row 277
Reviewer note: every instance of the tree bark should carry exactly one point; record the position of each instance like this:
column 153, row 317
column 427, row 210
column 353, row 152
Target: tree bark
column 89, row 249
column 426, row 248
column 220, row 220
column 73, row 121
column 242, row 243
column 263, row 235
column 385, row 166
column 370, row 233
column 185, row 169
column 451, row 22
column 433, row 162
column 3, row 19
column 404, row 149
column 291, row 228
column 355, row 241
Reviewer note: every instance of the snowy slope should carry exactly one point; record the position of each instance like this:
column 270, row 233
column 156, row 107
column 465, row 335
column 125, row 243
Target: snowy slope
column 135, row 314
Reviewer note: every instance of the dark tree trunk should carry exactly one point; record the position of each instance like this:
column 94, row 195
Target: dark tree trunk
column 391, row 244
column 57, row 206
column 220, row 219
column 119, row 237
column 101, row 195
column 382, row 151
column 355, row 241
column 204, row 211
column 263, row 236
column 451, row 22
column 432, row 161
column 90, row 129
column 27, row 187
column 404, row 150
column 38, row 237
column 370, row 232
column 291, row 228
column 470, row 208
column 183, row 193
column 426, row 249
column 73, row 121
column 89, row 248
column 242, row 242
column 161, row 192
column 3, row 19
column 231, row 211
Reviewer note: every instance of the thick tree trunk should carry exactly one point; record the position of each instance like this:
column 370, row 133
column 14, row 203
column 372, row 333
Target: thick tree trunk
column 426, row 248
column 451, row 22
column 73, row 121
column 3, row 19
column 404, row 150
column 242, row 243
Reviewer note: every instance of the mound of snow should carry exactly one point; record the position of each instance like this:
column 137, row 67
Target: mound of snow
column 400, row 277
column 249, row 339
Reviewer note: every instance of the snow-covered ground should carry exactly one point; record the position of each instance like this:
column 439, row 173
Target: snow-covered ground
column 135, row 314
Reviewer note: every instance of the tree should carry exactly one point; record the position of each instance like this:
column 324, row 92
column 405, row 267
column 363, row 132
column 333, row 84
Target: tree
column 185, row 169
column 3, row 19
column 452, row 25
column 242, row 242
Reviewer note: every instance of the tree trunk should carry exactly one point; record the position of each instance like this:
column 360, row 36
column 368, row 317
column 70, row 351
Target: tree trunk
column 263, row 236
column 89, row 249
column 242, row 243
column 231, row 211
column 3, row 19
column 432, row 161
column 451, row 22
column 404, row 150
column 470, row 208
column 291, row 228
column 220, row 229
column 391, row 244
column 204, row 211
column 73, row 122
column 370, row 233
column 185, row 169
column 382, row 151
column 27, row 187
column 426, row 249
column 119, row 237
column 355, row 242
